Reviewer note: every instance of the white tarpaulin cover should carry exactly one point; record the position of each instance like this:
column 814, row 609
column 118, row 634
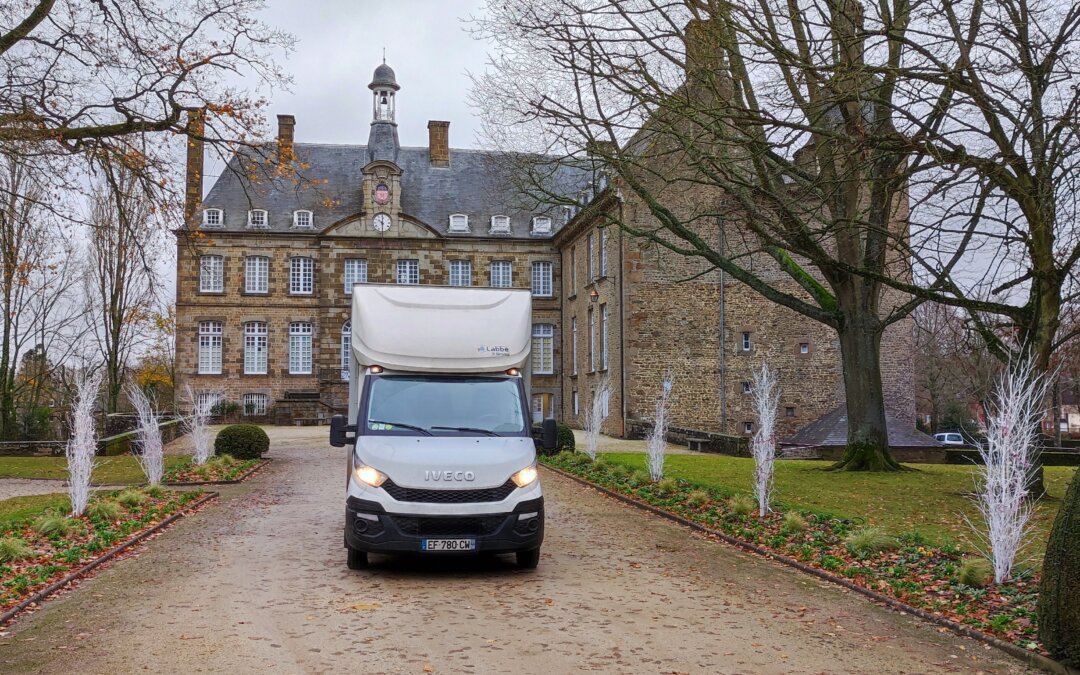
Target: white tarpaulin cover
column 440, row 328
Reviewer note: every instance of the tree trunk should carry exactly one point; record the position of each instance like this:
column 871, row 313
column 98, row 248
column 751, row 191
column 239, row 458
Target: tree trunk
column 868, row 437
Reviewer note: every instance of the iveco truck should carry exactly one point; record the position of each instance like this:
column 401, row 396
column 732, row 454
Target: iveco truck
column 441, row 457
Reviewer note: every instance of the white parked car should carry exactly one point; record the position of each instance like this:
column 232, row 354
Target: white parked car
column 950, row 438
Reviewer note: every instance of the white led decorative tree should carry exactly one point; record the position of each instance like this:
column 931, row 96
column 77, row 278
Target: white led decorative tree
column 151, row 451
column 197, row 424
column 82, row 444
column 656, row 443
column 766, row 399
column 595, row 415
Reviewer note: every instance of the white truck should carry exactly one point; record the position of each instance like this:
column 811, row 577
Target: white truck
column 441, row 457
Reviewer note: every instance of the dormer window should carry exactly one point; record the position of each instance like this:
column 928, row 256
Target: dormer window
column 541, row 225
column 302, row 220
column 500, row 224
column 213, row 218
column 459, row 222
column 257, row 219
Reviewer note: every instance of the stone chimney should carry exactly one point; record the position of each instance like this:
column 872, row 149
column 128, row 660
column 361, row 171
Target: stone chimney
column 706, row 59
column 439, row 143
column 194, row 129
column 286, row 125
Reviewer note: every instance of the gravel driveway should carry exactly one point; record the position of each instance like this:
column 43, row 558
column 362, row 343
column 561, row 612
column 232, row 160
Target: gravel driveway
column 258, row 584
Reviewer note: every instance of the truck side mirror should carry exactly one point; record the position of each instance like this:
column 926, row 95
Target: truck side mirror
column 339, row 431
column 551, row 434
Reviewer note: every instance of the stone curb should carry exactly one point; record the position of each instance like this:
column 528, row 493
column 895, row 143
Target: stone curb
column 44, row 593
column 243, row 477
column 1028, row 657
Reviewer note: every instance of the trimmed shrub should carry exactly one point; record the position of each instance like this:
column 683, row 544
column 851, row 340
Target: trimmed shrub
column 870, row 540
column 103, row 509
column 242, row 441
column 1059, row 590
column 564, row 438
column 13, row 548
column 975, row 572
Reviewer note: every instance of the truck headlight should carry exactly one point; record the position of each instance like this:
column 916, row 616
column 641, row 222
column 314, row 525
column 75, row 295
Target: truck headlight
column 525, row 477
column 367, row 475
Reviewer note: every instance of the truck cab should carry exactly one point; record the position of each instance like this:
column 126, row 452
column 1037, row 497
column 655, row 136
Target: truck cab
column 441, row 457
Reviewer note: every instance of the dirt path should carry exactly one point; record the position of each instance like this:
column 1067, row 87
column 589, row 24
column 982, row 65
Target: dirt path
column 258, row 584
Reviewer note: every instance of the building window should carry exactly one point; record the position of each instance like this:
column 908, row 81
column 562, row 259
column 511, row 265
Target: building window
column 209, row 347
column 573, row 346
column 211, row 274
column 603, row 337
column 789, row 411
column 459, row 222
column 256, row 274
column 213, row 218
column 355, row 273
column 592, row 340
column 257, row 219
column 300, row 348
column 408, row 271
column 206, row 400
column 543, row 349
column 255, row 404
column 460, row 273
column 541, row 279
column 302, row 220
column 255, row 348
column 746, row 388
column 574, row 402
column 541, row 225
column 541, row 407
column 747, row 344
column 301, row 276
column 573, row 270
column 603, row 251
column 748, row 427
column 502, row 274
column 804, row 347
column 346, row 345
column 589, row 277
column 500, row 224
column 604, row 401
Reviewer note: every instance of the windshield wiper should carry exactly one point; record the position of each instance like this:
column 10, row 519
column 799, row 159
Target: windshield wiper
column 403, row 425
column 489, row 432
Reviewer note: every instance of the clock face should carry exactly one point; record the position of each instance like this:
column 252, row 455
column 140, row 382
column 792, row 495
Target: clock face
column 381, row 221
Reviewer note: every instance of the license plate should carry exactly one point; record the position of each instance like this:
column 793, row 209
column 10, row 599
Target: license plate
column 448, row 544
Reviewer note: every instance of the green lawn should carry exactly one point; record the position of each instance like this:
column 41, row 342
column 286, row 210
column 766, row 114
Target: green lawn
column 18, row 508
column 123, row 469
column 929, row 501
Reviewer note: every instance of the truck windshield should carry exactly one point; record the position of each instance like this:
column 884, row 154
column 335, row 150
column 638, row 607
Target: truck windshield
column 444, row 406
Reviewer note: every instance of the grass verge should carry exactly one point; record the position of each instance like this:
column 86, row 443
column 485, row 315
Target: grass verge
column 119, row 470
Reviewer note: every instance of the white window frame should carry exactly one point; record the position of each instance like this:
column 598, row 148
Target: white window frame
column 259, row 401
column 256, row 348
column 500, row 224
column 459, row 222
column 543, row 349
column 541, row 225
column 590, row 275
column 573, row 346
column 573, row 270
column 299, row 215
column 257, row 274
column 574, row 402
column 747, row 341
column 409, row 269
column 804, row 347
column 258, row 219
column 210, row 339
column 346, row 349
column 748, row 427
column 301, row 275
column 542, row 274
column 746, row 388
column 603, row 337
column 602, row 242
column 355, row 272
column 501, row 274
column 460, row 273
column 211, row 274
column 300, row 342
column 592, row 340
column 213, row 218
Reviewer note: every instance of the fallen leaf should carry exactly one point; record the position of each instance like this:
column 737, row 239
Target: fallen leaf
column 428, row 668
column 364, row 605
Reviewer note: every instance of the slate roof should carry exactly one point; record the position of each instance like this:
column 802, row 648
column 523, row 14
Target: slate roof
column 830, row 430
column 330, row 187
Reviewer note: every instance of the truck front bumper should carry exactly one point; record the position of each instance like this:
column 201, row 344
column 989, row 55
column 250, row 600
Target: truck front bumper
column 369, row 528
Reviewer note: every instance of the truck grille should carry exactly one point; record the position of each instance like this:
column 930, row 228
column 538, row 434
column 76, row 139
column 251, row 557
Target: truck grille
column 445, row 527
column 404, row 494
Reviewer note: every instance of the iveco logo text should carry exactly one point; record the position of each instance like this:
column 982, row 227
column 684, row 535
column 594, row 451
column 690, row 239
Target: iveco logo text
column 449, row 475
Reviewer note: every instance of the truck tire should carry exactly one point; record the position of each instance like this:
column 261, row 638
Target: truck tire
column 528, row 560
column 357, row 560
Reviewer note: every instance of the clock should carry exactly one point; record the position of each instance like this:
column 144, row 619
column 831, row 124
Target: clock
column 381, row 221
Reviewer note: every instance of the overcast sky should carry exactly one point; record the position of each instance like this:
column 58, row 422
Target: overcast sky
column 340, row 43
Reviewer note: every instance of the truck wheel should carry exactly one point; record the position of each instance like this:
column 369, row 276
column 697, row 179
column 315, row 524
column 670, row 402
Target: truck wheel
column 357, row 560
column 528, row 560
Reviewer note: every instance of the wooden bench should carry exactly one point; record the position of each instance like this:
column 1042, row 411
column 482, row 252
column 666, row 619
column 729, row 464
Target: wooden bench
column 697, row 444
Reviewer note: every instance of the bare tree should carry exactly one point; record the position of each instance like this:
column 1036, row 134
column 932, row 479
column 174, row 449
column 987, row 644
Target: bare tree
column 841, row 149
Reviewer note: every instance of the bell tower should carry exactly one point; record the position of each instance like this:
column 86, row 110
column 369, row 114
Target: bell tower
column 383, row 138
